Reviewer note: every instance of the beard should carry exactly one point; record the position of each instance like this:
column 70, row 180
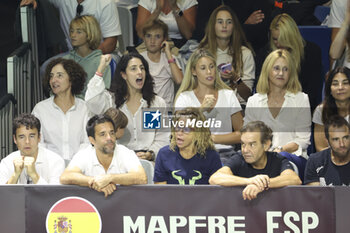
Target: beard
column 108, row 148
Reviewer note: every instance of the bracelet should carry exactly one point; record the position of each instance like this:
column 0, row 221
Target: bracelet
column 238, row 81
column 171, row 60
column 99, row 74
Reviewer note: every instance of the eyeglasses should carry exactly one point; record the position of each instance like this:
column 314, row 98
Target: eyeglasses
column 80, row 9
column 183, row 129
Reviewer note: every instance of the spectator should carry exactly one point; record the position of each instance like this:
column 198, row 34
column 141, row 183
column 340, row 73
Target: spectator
column 63, row 116
column 31, row 164
column 85, row 36
column 163, row 66
column 120, row 121
column 105, row 11
column 191, row 157
column 341, row 39
column 336, row 102
column 281, row 105
column 104, row 164
column 225, row 39
column 337, row 15
column 255, row 167
column 203, row 88
column 331, row 166
column 180, row 16
column 284, row 34
column 132, row 87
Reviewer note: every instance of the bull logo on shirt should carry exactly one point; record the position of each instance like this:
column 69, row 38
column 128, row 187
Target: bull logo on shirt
column 190, row 181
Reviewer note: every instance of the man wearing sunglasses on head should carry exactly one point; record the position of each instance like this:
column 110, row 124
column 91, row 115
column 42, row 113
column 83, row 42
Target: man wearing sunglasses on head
column 105, row 11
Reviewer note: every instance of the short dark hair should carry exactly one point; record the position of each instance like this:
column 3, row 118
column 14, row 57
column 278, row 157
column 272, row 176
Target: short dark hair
column 335, row 121
column 119, row 118
column 96, row 120
column 76, row 73
column 28, row 120
column 258, row 126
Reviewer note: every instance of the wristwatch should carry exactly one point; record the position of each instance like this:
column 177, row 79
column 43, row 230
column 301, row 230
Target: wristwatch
column 178, row 13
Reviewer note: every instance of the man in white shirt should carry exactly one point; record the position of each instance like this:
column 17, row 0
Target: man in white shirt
column 31, row 164
column 104, row 164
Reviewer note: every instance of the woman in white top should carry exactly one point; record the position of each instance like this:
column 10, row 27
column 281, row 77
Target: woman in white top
column 179, row 15
column 225, row 39
column 63, row 116
column 203, row 88
column 281, row 105
column 336, row 102
column 132, row 87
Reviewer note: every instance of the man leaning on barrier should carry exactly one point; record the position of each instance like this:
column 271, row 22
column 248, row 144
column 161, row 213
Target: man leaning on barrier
column 255, row 167
column 331, row 166
column 105, row 163
column 31, row 164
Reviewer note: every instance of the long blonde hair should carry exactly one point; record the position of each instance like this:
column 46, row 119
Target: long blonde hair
column 237, row 40
column 289, row 37
column 293, row 84
column 202, row 138
column 190, row 82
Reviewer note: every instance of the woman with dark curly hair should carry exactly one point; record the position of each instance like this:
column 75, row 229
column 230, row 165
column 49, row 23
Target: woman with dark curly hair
column 191, row 157
column 63, row 116
column 336, row 102
column 132, row 87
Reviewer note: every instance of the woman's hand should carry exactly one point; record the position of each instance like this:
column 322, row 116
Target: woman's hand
column 144, row 155
column 104, row 62
column 208, row 103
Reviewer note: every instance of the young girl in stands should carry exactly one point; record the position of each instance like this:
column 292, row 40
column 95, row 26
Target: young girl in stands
column 203, row 88
column 85, row 35
column 225, row 39
column 131, row 91
column 162, row 64
column 336, row 102
column 191, row 157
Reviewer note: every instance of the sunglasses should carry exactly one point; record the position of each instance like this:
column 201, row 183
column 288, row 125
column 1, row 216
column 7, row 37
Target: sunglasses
column 80, row 9
column 184, row 129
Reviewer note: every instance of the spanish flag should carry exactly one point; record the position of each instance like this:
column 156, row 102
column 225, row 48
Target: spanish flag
column 73, row 215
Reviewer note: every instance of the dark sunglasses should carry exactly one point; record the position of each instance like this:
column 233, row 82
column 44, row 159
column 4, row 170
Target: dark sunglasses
column 80, row 9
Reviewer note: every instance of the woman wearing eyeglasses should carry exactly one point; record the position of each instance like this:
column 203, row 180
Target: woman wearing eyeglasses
column 203, row 88
column 191, row 157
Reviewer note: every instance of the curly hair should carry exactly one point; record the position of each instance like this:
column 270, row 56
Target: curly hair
column 202, row 138
column 76, row 74
column 289, row 37
column 293, row 85
column 190, row 82
column 28, row 120
column 237, row 40
column 91, row 27
column 119, row 86
column 329, row 103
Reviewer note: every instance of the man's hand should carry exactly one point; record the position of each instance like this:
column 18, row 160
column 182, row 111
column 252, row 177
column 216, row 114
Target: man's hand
column 18, row 163
column 28, row 2
column 101, row 182
column 29, row 165
column 250, row 192
column 109, row 189
column 260, row 181
column 255, row 18
column 144, row 155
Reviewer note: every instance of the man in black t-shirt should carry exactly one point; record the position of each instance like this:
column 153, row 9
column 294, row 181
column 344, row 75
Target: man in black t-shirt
column 255, row 167
column 331, row 166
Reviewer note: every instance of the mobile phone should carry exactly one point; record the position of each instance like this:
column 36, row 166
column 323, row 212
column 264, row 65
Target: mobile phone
column 226, row 68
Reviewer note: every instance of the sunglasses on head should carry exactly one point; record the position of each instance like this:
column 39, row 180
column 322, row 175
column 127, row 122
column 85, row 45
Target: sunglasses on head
column 80, row 9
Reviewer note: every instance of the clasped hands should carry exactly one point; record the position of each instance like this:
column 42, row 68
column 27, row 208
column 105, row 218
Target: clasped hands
column 256, row 185
column 102, row 183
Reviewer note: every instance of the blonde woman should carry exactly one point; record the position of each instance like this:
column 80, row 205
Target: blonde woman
column 225, row 39
column 203, row 88
column 191, row 157
column 281, row 105
column 284, row 34
column 85, row 36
